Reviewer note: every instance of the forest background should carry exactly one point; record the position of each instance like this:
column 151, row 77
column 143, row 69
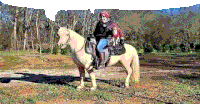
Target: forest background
column 168, row 30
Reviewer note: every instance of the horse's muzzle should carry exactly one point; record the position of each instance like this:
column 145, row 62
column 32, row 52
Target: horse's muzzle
column 60, row 45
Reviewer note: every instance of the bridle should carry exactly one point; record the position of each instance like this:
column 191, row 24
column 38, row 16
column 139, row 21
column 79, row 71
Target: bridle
column 69, row 38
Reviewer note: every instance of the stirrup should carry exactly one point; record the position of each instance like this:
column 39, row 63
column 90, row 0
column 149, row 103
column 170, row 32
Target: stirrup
column 101, row 66
column 94, row 63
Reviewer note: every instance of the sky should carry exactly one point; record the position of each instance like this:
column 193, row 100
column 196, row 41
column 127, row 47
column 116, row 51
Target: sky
column 174, row 12
column 169, row 12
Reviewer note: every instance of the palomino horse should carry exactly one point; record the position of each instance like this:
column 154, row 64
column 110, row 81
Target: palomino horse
column 76, row 42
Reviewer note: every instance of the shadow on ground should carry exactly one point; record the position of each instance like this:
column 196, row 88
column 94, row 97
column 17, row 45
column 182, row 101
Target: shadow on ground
column 65, row 79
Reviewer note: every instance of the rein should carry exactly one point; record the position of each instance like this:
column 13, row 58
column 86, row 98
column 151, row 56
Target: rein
column 70, row 39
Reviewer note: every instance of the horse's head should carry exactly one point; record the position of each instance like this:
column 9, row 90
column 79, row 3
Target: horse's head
column 64, row 37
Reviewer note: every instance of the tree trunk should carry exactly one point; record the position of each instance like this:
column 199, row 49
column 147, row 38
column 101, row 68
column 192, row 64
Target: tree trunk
column 38, row 39
column 52, row 38
column 25, row 40
column 32, row 40
column 84, row 24
column 17, row 48
column 45, row 39
column 33, row 45
column 15, row 35
column 12, row 40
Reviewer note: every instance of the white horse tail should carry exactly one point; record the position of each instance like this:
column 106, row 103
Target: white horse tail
column 135, row 65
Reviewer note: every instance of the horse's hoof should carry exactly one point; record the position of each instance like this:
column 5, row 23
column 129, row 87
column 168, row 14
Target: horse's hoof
column 92, row 88
column 90, row 70
column 127, row 87
column 80, row 87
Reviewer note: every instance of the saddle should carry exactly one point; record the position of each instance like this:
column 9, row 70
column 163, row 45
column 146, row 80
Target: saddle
column 117, row 49
column 109, row 50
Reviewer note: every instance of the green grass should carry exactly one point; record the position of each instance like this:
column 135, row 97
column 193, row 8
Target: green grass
column 140, row 51
column 10, row 61
column 177, row 54
column 105, row 92
column 183, row 88
column 14, row 53
column 53, row 91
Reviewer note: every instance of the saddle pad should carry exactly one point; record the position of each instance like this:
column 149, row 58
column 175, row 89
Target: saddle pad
column 114, row 50
column 88, row 47
column 117, row 49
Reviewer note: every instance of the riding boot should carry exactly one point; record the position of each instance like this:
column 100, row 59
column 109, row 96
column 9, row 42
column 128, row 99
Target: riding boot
column 102, row 59
column 94, row 63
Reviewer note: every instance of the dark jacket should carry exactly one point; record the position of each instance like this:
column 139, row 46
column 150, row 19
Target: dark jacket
column 102, row 32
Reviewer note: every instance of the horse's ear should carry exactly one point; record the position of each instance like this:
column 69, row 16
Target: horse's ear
column 58, row 25
column 68, row 26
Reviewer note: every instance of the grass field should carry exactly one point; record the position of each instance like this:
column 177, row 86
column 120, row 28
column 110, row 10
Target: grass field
column 153, row 88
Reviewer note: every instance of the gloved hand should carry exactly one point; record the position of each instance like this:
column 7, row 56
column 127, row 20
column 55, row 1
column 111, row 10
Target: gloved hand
column 122, row 40
column 93, row 40
column 88, row 38
column 109, row 39
column 117, row 40
column 91, row 35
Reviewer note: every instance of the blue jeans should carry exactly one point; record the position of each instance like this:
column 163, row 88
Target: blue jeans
column 102, row 43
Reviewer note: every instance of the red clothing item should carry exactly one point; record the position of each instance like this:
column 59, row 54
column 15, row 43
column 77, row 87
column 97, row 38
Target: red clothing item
column 119, row 34
column 119, row 31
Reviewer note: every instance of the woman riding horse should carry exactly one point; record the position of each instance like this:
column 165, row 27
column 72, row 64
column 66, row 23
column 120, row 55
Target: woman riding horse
column 129, row 60
column 105, row 30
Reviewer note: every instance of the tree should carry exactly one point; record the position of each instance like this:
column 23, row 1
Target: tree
column 87, row 21
column 13, row 13
column 52, row 24
column 37, row 30
column 130, row 22
column 28, row 16
column 194, row 29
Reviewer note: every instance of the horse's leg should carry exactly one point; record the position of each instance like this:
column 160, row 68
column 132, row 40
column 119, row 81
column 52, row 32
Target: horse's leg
column 82, row 76
column 129, row 70
column 92, row 76
column 94, row 85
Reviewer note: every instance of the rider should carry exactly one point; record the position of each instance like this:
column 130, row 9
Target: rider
column 103, row 35
column 118, row 35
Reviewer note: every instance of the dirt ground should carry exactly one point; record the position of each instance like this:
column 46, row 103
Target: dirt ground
column 153, row 68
